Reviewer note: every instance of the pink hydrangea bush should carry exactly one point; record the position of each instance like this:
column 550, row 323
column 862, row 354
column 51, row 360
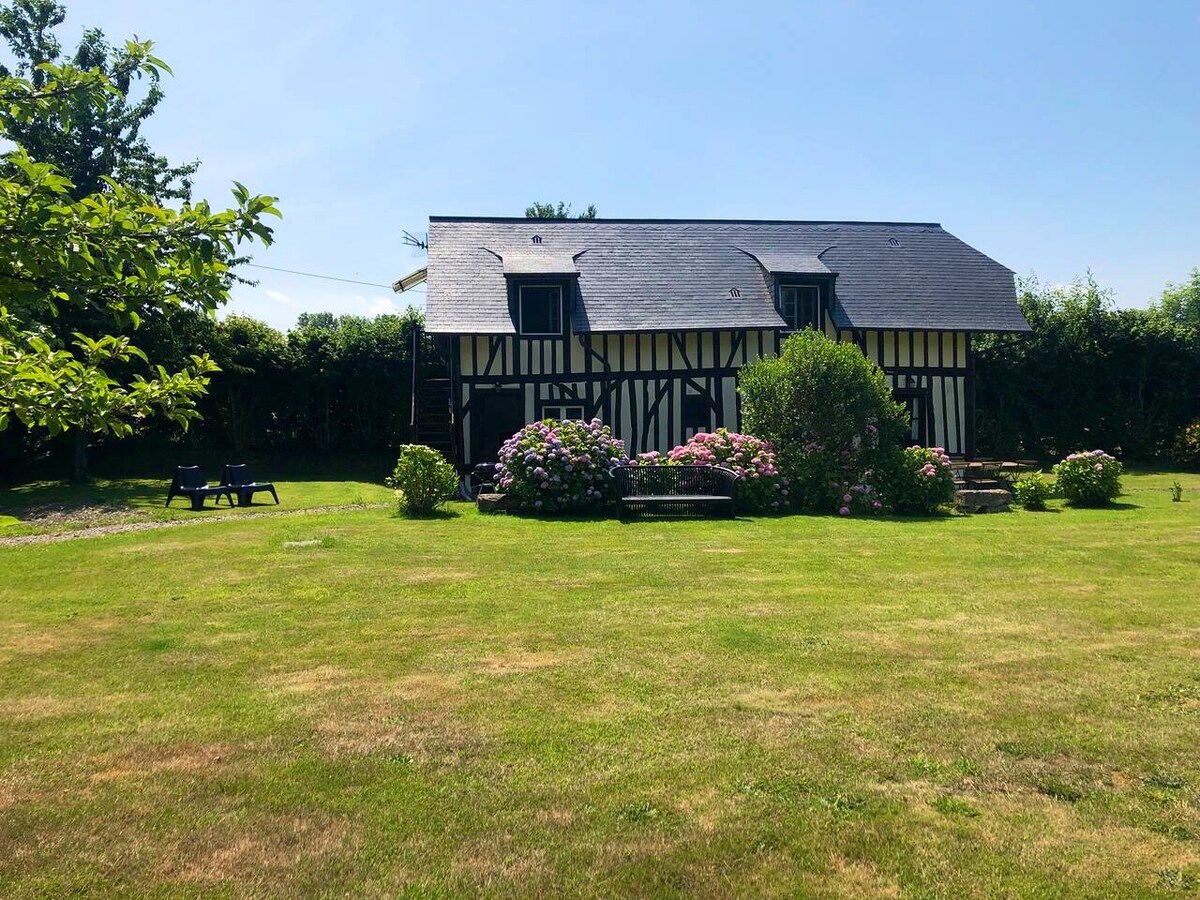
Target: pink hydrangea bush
column 761, row 487
column 920, row 481
column 860, row 498
column 560, row 467
column 1090, row 478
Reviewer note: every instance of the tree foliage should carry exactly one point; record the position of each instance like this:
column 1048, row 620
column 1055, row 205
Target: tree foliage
column 103, row 140
column 560, row 210
column 116, row 253
column 1088, row 375
column 1181, row 302
column 423, row 480
column 829, row 412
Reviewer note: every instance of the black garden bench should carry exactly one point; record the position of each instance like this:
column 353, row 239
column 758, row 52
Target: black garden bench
column 674, row 491
column 189, row 482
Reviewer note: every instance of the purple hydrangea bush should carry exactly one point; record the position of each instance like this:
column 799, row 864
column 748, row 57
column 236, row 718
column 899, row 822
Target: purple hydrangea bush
column 1089, row 478
column 761, row 487
column 921, row 481
column 861, row 497
column 560, row 467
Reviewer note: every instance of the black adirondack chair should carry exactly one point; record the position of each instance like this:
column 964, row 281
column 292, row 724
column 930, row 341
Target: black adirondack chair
column 242, row 483
column 189, row 482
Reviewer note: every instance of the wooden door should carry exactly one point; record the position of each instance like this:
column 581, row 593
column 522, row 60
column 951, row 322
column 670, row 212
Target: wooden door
column 496, row 416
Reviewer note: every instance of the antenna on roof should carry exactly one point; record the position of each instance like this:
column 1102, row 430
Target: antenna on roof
column 411, row 240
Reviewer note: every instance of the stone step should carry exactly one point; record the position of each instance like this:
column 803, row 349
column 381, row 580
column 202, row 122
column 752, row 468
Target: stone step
column 985, row 500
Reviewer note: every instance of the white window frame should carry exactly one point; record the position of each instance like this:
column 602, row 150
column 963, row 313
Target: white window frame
column 549, row 410
column 521, row 310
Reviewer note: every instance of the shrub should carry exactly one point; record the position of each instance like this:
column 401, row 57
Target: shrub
column 1186, row 449
column 761, row 488
column 861, row 497
column 829, row 412
column 423, row 480
column 1090, row 478
column 1032, row 491
column 555, row 467
column 919, row 481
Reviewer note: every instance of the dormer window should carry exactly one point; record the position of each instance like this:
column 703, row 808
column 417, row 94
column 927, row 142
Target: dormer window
column 800, row 306
column 539, row 310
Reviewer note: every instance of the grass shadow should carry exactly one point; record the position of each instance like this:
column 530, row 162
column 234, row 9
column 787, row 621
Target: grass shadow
column 436, row 515
column 64, row 496
column 1114, row 506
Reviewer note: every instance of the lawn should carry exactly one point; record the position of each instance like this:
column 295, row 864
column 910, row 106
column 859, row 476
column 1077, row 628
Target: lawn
column 44, row 507
column 347, row 703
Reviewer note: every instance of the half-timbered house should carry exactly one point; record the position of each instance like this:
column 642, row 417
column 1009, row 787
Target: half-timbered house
column 645, row 322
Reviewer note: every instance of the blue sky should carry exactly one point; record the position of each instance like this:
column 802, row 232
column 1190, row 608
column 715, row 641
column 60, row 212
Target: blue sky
column 1055, row 137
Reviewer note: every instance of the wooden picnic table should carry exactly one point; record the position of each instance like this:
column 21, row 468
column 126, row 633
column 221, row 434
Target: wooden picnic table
column 973, row 469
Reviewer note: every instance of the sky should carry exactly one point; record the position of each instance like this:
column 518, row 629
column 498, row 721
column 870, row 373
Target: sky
column 1055, row 137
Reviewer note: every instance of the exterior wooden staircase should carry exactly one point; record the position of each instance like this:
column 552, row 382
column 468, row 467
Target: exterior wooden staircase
column 431, row 415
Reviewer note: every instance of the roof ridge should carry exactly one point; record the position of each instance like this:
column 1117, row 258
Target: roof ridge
column 636, row 221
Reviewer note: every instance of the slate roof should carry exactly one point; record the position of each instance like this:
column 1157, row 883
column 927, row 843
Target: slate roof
column 660, row 274
column 535, row 261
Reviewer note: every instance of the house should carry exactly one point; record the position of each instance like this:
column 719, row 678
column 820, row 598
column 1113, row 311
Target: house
column 645, row 322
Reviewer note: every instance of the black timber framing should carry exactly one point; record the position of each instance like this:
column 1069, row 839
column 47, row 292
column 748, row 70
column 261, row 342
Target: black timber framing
column 624, row 377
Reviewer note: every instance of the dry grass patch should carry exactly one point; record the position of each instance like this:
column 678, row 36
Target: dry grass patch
column 152, row 760
column 265, row 856
column 414, row 717
column 707, row 808
column 1053, row 834
column 519, row 662
column 500, row 861
column 320, row 679
column 857, row 878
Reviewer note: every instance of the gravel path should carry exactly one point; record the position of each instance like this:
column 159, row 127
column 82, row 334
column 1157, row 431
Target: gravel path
column 123, row 527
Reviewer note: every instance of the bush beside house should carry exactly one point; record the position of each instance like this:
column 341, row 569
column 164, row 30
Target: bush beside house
column 829, row 413
column 560, row 467
column 919, row 481
column 1090, row 478
column 1032, row 491
column 423, row 480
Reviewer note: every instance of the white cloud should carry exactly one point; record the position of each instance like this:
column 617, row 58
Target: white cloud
column 381, row 306
column 278, row 296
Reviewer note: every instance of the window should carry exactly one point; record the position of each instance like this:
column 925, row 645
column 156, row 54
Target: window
column 539, row 308
column 695, row 411
column 800, row 306
column 917, row 402
column 562, row 412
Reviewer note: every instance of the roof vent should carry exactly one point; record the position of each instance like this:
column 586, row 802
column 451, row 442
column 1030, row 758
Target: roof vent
column 735, row 293
column 894, row 242
column 537, row 238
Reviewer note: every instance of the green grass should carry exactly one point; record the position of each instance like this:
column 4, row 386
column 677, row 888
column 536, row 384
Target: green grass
column 998, row 705
column 53, row 506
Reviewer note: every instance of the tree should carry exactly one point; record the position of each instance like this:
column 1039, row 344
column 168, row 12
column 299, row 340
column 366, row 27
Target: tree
column 351, row 378
column 252, row 381
column 561, row 211
column 1181, row 302
column 115, row 251
column 94, row 140
column 828, row 411
column 1087, row 376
